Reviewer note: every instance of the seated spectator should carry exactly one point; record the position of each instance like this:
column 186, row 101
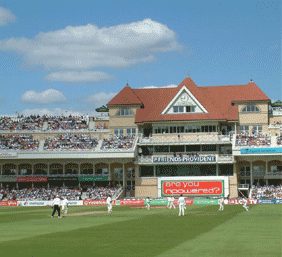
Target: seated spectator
column 70, row 142
column 118, row 142
column 267, row 192
column 256, row 140
column 32, row 122
column 67, row 123
column 18, row 142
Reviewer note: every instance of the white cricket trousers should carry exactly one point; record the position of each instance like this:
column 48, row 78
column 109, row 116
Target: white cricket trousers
column 181, row 209
column 110, row 206
column 221, row 207
column 246, row 207
column 172, row 205
column 148, row 206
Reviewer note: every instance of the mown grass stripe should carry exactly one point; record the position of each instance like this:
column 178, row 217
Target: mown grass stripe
column 149, row 235
column 254, row 233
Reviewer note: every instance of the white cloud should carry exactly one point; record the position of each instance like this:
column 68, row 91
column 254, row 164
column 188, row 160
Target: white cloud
column 79, row 77
column 99, row 99
column 168, row 86
column 46, row 97
column 88, row 47
column 6, row 16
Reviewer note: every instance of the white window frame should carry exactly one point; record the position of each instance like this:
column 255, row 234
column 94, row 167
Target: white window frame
column 250, row 108
column 256, row 128
column 131, row 131
column 118, row 131
column 242, row 129
column 124, row 112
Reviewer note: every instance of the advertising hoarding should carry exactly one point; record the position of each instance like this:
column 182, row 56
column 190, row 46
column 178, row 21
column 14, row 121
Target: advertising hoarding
column 8, row 203
column 240, row 201
column 188, row 159
column 92, row 178
column 62, row 178
column 192, row 187
column 205, row 201
column 32, row 179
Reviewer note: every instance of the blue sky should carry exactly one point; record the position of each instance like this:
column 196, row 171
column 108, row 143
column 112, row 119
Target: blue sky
column 74, row 56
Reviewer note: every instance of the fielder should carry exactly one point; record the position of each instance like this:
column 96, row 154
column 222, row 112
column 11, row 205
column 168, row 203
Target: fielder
column 56, row 207
column 65, row 204
column 181, row 204
column 221, row 201
column 168, row 202
column 245, row 201
column 148, row 203
column 109, row 202
column 171, row 204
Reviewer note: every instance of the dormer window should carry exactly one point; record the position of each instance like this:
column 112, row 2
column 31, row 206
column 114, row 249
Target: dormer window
column 178, row 109
column 124, row 112
column 251, row 108
column 183, row 109
column 190, row 108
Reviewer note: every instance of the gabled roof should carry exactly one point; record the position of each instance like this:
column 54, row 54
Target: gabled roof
column 126, row 97
column 217, row 100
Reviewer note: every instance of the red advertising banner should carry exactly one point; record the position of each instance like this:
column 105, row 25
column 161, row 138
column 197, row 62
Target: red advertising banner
column 8, row 203
column 240, row 201
column 96, row 202
column 192, row 187
column 32, row 179
column 132, row 202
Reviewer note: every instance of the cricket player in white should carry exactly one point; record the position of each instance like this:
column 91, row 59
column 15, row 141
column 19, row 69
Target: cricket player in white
column 245, row 201
column 172, row 203
column 181, row 204
column 220, row 201
column 148, row 203
column 109, row 202
column 65, row 203
column 168, row 202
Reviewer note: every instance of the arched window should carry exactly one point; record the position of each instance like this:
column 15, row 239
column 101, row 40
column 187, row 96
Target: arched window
column 124, row 112
column 251, row 108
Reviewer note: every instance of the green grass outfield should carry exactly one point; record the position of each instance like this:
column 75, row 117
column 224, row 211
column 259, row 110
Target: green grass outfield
column 203, row 231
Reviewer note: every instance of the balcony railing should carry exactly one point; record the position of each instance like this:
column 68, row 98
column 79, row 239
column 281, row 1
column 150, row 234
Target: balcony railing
column 243, row 186
column 185, row 138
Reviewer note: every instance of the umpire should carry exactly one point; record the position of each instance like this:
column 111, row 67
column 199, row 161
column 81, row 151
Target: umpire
column 56, row 207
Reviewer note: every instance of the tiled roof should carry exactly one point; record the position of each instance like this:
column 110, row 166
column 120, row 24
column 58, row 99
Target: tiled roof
column 125, row 97
column 217, row 100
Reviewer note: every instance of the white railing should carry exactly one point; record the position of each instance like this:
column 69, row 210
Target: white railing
column 243, row 186
column 274, row 173
column 184, row 138
column 276, row 111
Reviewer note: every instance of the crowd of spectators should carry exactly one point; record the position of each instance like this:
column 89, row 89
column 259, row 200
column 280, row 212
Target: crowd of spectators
column 33, row 194
column 32, row 122
column 36, row 122
column 279, row 140
column 118, row 142
column 101, row 126
column 268, row 192
column 101, row 193
column 42, row 193
column 67, row 123
column 70, row 142
column 277, row 123
column 18, row 142
column 254, row 140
